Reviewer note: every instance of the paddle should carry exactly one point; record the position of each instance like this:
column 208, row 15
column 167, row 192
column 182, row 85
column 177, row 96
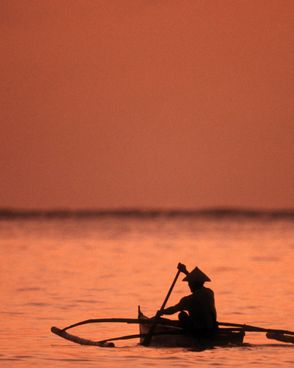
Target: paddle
column 148, row 337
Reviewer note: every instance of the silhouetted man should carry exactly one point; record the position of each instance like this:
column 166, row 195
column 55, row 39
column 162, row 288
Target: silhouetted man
column 197, row 311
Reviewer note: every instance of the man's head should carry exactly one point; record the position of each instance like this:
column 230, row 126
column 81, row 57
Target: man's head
column 195, row 285
column 196, row 279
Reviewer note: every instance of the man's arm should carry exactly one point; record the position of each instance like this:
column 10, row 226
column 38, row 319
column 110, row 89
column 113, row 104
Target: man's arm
column 183, row 304
column 171, row 310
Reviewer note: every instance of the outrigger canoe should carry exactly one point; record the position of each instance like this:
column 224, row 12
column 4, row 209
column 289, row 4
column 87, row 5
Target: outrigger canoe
column 163, row 332
column 168, row 333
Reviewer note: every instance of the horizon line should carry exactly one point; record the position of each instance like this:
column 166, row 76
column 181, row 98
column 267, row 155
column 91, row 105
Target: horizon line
column 214, row 211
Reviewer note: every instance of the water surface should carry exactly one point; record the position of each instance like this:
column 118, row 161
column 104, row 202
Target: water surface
column 60, row 271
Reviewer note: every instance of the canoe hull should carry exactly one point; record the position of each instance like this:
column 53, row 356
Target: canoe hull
column 172, row 336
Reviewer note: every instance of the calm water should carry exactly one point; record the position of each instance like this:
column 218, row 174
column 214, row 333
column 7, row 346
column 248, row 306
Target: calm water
column 57, row 272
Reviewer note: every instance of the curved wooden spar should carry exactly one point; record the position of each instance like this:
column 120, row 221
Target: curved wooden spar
column 103, row 320
column 119, row 320
column 245, row 327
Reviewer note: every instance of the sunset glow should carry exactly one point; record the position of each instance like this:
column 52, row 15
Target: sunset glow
column 147, row 104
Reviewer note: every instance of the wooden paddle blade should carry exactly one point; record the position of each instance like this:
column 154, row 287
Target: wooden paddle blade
column 280, row 337
column 80, row 340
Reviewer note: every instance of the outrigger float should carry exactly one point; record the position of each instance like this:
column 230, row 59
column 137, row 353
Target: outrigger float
column 163, row 332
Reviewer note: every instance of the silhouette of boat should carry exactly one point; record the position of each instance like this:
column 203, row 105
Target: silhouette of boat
column 168, row 333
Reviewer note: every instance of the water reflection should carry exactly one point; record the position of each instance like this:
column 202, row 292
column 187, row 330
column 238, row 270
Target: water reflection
column 63, row 271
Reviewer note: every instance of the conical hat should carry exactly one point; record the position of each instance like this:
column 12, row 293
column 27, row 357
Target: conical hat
column 196, row 276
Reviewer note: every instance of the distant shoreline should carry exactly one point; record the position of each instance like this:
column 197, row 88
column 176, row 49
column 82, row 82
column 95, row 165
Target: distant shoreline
column 219, row 212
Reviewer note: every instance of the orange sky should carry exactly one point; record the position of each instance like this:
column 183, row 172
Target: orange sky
column 147, row 103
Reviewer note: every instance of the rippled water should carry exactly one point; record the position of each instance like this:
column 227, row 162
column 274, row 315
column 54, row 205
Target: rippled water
column 57, row 272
